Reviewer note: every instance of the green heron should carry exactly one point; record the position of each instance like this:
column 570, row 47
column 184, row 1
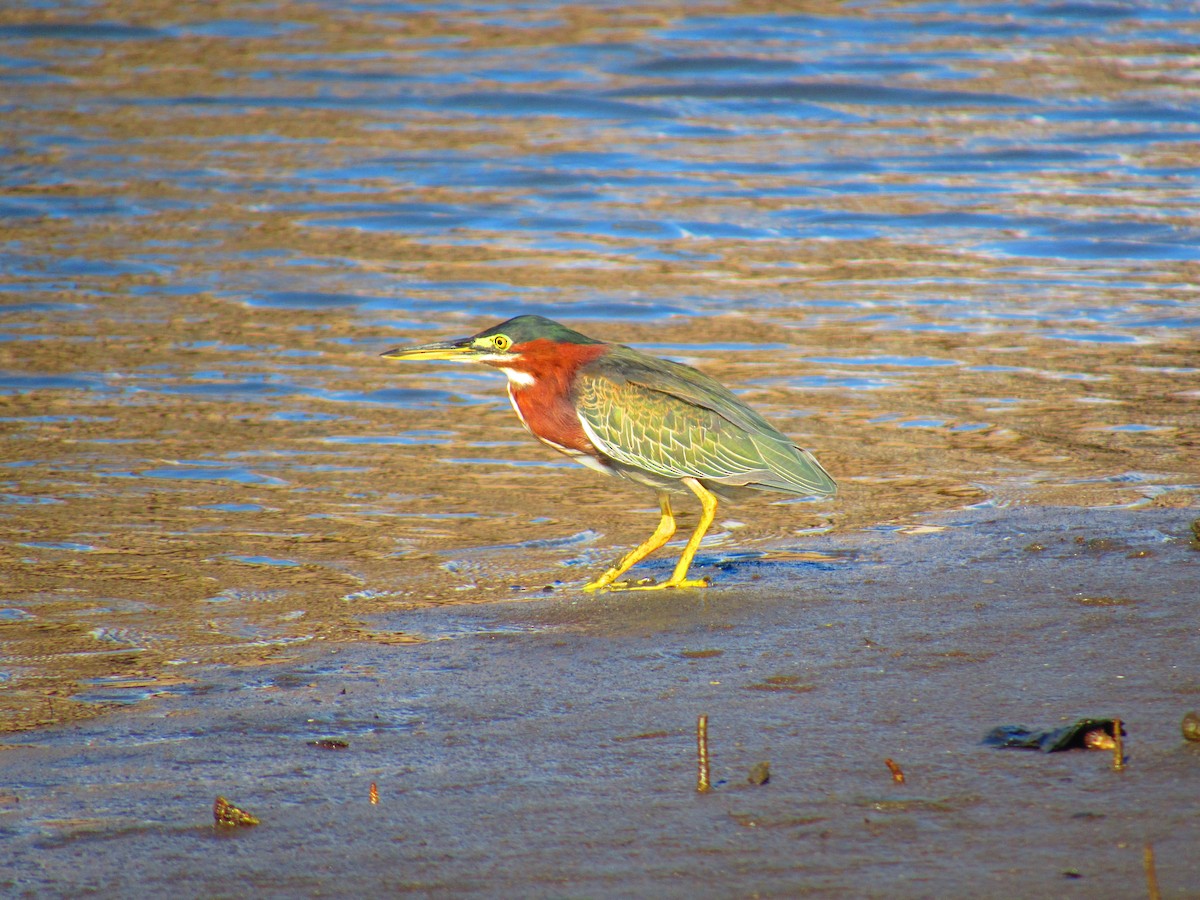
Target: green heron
column 652, row 421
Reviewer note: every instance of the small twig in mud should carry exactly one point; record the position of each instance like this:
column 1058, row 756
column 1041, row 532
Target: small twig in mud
column 374, row 794
column 702, row 781
column 1118, row 747
column 897, row 772
column 1151, row 874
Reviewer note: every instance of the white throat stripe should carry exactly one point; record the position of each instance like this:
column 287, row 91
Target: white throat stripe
column 517, row 377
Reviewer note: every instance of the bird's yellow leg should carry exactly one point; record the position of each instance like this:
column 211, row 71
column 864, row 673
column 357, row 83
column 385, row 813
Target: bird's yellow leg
column 663, row 533
column 679, row 579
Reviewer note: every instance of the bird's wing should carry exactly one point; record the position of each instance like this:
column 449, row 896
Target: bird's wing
column 676, row 422
column 678, row 380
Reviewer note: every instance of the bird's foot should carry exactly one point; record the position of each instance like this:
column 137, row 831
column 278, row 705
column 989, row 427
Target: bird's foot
column 639, row 584
column 603, row 583
column 669, row 583
column 606, row 582
column 649, row 584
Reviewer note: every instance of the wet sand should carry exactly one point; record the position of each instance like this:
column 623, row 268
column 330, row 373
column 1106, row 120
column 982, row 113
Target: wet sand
column 545, row 746
column 952, row 252
column 199, row 502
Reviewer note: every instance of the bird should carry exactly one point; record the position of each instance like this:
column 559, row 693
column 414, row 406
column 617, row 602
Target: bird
column 649, row 420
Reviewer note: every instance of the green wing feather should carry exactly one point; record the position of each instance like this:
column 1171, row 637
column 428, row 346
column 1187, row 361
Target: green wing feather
column 674, row 421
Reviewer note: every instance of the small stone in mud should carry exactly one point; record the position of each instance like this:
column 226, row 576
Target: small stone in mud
column 1191, row 726
column 330, row 744
column 760, row 773
column 229, row 816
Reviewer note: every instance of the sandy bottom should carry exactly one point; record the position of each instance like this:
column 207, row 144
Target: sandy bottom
column 546, row 747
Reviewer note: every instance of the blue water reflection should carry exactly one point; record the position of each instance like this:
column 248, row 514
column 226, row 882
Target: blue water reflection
column 858, row 203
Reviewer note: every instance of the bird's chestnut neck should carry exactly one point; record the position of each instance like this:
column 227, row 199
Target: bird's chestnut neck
column 543, row 360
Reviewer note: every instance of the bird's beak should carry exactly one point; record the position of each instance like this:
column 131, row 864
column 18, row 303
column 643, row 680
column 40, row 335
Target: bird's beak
column 461, row 351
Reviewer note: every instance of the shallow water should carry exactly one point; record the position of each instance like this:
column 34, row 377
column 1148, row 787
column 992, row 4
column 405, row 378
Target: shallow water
column 951, row 248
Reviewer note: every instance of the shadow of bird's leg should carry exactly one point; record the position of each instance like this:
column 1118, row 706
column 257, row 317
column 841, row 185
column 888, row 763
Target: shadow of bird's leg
column 663, row 533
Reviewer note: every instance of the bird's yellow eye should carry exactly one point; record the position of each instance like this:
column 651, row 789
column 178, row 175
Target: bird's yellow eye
column 501, row 342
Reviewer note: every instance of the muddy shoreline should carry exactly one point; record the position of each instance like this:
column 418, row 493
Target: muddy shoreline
column 542, row 747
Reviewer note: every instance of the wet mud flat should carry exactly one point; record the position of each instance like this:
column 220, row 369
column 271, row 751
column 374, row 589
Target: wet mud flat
column 546, row 746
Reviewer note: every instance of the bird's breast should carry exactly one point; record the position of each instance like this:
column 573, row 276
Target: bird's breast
column 547, row 412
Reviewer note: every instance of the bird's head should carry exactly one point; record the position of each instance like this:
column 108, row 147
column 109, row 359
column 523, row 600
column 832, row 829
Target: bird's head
column 503, row 346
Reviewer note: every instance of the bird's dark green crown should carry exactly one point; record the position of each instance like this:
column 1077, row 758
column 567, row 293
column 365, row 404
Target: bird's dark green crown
column 523, row 329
